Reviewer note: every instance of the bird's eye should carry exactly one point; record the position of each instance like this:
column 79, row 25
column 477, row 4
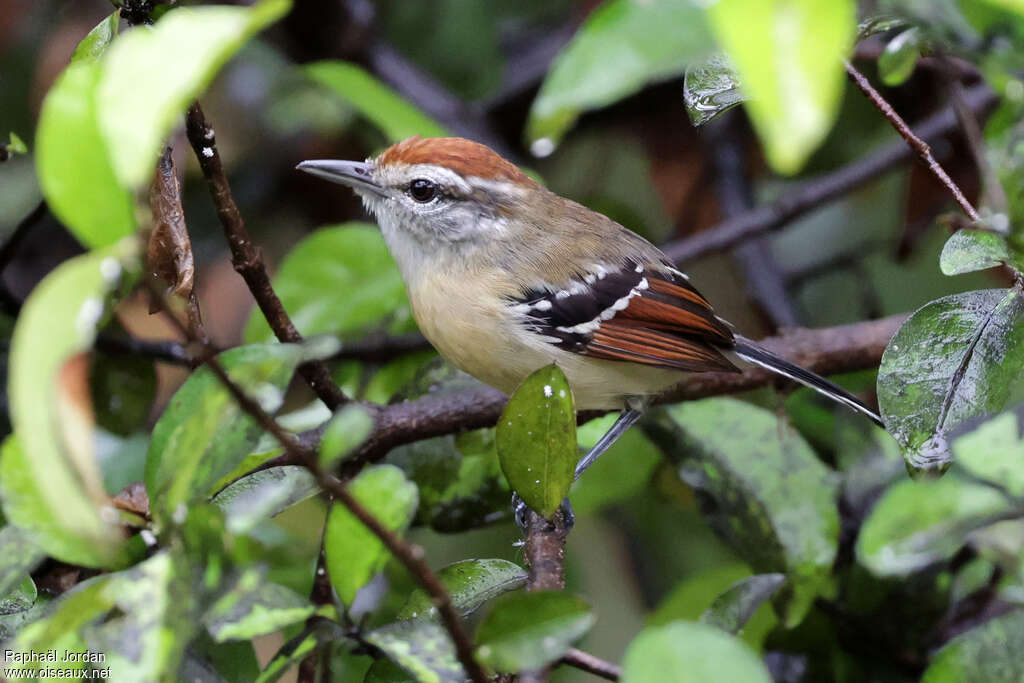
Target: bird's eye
column 422, row 190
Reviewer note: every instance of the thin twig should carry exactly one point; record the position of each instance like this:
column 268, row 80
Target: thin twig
column 544, row 550
column 163, row 350
column 411, row 556
column 585, row 661
column 246, row 256
column 824, row 189
column 915, row 142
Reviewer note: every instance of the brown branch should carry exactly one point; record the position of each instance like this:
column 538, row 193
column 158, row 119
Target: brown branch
column 411, row 556
column 916, row 143
column 820, row 191
column 545, row 551
column 246, row 256
column 585, row 661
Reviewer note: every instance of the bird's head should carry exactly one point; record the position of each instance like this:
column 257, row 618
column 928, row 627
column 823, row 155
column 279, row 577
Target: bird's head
column 436, row 191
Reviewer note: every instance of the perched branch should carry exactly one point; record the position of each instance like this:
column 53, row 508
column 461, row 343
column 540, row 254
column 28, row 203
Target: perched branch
column 381, row 348
column 545, row 559
column 167, row 351
column 246, row 256
column 594, row 665
column 411, row 556
column 820, row 191
column 915, row 143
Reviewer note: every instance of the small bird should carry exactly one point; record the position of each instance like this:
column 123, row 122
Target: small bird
column 505, row 276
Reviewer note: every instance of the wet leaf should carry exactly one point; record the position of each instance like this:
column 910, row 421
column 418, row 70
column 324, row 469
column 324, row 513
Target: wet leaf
column 354, row 553
column 711, row 88
column 762, row 488
column 969, row 250
column 788, row 56
column 536, row 439
column 896, row 63
column 19, row 598
column 73, row 164
column 264, row 494
column 688, row 652
column 527, row 631
column 60, row 499
column 340, row 280
column 956, row 357
column 255, row 607
column 919, row 523
column 470, row 583
column 732, row 609
column 385, row 108
column 621, row 47
column 203, row 434
column 422, row 648
column 169, row 252
column 994, row 451
column 344, row 434
column 18, row 556
column 988, row 653
column 98, row 39
column 150, row 75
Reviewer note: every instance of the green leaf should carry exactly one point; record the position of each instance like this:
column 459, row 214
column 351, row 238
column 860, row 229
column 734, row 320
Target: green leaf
column 20, row 598
column 711, row 88
column 340, row 280
column 354, row 553
column 298, row 648
column 60, row 499
column 956, row 357
column 621, row 47
column 994, row 450
column 470, row 583
column 536, row 438
column 422, row 648
column 99, row 38
column 969, row 250
column 621, row 473
column 527, row 631
column 344, row 434
column 989, row 653
column 255, row 607
column 203, row 434
column 686, row 652
column 789, row 56
column 732, row 609
column 16, row 145
column 385, row 108
column 262, row 495
column 18, row 556
column 761, row 487
column 896, row 63
column 150, row 75
column 919, row 523
column 73, row 164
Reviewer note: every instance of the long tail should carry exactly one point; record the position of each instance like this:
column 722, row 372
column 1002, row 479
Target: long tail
column 758, row 355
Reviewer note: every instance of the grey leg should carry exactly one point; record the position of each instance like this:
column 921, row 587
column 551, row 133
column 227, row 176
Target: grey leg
column 626, row 420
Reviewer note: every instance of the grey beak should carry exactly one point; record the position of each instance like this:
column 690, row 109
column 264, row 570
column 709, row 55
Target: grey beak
column 356, row 174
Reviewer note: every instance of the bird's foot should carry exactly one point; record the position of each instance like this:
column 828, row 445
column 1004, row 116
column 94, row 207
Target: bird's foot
column 520, row 510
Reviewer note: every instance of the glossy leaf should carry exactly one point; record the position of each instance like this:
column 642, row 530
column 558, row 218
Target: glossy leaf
column 150, row 75
column 98, row 39
column 422, row 648
column 732, row 609
column 988, row 653
column 261, row 495
column 994, row 451
column 255, row 607
column 536, row 438
column 621, row 47
column 19, row 598
column 762, row 488
column 61, row 498
column 385, row 108
column 203, row 434
column 73, row 164
column 896, row 63
column 354, row 553
column 344, row 434
column 711, row 88
column 959, row 356
column 527, row 631
column 919, row 523
column 688, row 652
column 340, row 280
column 969, row 250
column 470, row 583
column 18, row 556
column 788, row 55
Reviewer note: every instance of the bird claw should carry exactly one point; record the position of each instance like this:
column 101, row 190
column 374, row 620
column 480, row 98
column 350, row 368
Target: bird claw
column 520, row 511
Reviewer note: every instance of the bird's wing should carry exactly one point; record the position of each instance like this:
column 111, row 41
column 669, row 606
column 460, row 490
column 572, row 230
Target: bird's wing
column 633, row 311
